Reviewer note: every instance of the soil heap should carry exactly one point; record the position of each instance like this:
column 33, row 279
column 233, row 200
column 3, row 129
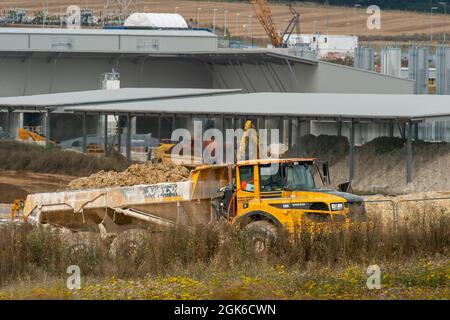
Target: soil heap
column 136, row 174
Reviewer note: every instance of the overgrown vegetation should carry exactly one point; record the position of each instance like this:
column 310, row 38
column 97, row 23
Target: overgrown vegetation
column 217, row 261
column 27, row 157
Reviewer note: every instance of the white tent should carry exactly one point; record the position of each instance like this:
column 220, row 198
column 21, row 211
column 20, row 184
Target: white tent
column 156, row 21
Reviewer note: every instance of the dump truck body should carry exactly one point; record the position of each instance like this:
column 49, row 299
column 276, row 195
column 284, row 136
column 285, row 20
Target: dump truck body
column 119, row 208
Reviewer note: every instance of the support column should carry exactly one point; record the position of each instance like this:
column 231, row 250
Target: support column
column 290, row 133
column 352, row 151
column 119, row 134
column 159, row 127
column 222, row 126
column 84, row 133
column 105, row 133
column 282, row 127
column 47, row 128
column 391, row 130
column 174, row 125
column 299, row 137
column 9, row 122
column 339, row 128
column 128, row 138
column 409, row 163
column 416, row 131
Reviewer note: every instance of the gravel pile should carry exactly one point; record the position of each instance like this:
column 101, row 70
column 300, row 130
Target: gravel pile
column 136, row 174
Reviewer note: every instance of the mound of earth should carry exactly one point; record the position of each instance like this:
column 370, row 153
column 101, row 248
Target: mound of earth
column 381, row 167
column 136, row 174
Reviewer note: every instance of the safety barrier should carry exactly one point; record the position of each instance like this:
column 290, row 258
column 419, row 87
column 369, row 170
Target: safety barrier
column 396, row 205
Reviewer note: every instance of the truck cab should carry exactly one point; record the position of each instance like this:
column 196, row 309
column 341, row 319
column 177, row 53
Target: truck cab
column 283, row 193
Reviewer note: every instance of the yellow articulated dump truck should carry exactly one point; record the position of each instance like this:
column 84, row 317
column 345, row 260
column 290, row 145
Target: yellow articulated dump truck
column 260, row 195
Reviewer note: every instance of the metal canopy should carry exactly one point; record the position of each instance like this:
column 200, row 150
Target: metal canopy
column 98, row 97
column 216, row 56
column 371, row 107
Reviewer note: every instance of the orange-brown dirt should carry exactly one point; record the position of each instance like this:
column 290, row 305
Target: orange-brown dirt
column 17, row 185
column 313, row 17
column 136, row 174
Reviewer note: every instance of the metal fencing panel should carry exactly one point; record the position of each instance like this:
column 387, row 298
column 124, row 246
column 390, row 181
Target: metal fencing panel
column 419, row 68
column 391, row 61
column 443, row 70
column 364, row 58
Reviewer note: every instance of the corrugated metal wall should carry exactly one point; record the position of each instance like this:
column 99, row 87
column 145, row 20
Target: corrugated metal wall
column 43, row 74
column 106, row 40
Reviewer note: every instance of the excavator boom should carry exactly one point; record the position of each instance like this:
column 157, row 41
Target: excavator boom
column 264, row 15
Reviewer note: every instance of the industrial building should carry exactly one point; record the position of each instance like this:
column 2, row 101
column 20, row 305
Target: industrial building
column 59, row 71
column 43, row 61
column 157, row 112
column 38, row 61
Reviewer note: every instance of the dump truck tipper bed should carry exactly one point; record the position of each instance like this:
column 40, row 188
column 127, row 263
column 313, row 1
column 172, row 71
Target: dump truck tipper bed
column 118, row 208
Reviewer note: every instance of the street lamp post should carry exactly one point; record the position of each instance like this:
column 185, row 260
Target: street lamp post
column 176, row 9
column 431, row 23
column 214, row 20
column 225, row 24
column 198, row 17
column 445, row 19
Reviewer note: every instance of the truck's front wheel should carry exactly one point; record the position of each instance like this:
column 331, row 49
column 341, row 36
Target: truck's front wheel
column 262, row 234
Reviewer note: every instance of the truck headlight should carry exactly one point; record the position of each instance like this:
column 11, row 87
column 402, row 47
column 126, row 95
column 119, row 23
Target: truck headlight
column 337, row 206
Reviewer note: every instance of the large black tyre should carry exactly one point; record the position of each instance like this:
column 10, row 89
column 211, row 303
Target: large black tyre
column 262, row 235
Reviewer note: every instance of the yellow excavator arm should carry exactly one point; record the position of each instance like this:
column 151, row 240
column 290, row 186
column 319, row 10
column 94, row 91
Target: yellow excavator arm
column 27, row 135
column 264, row 15
column 247, row 136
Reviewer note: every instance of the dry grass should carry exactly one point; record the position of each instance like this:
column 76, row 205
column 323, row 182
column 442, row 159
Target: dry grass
column 26, row 157
column 217, row 262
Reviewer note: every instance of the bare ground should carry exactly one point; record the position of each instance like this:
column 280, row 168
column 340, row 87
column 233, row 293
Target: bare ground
column 313, row 17
column 17, row 185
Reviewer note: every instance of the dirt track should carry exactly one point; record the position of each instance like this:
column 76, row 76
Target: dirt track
column 16, row 185
column 313, row 17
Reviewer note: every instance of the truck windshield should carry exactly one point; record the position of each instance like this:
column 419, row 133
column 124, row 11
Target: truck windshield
column 291, row 176
column 298, row 177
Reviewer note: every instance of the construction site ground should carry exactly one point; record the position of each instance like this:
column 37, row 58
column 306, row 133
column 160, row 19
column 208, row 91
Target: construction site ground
column 314, row 18
column 211, row 262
